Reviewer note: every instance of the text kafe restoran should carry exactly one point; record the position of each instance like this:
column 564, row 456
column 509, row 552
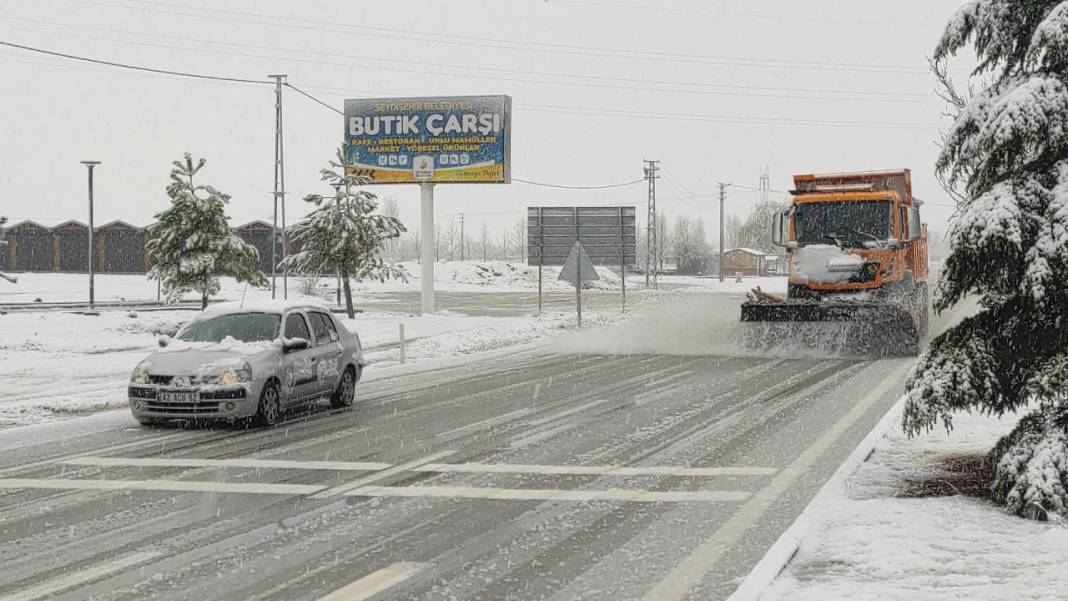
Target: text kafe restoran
column 434, row 124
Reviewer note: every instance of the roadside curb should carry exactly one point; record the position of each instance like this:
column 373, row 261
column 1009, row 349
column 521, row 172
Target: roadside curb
column 782, row 551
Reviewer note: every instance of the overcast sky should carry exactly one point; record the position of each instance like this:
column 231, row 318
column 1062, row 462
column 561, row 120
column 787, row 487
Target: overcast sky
column 713, row 89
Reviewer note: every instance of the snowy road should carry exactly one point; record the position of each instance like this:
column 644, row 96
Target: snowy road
column 520, row 474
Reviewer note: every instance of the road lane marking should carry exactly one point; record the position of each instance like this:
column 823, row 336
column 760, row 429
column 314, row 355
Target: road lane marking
column 162, row 485
column 69, row 581
column 595, row 470
column 689, row 573
column 542, row 494
column 397, row 469
column 375, row 582
column 459, row 468
column 356, row 466
column 572, row 411
column 487, row 423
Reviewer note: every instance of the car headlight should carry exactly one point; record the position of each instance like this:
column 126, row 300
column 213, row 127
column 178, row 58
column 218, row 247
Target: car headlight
column 140, row 374
column 236, row 375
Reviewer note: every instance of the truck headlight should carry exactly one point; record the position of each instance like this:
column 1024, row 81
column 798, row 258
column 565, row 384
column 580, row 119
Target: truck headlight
column 236, row 375
column 140, row 374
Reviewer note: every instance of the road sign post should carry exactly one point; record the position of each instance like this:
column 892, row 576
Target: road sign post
column 578, row 269
column 608, row 236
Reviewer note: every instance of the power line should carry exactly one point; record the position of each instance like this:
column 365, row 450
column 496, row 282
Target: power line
column 303, row 93
column 641, row 86
column 880, row 95
column 134, row 67
column 504, row 44
column 690, row 117
column 718, row 13
column 545, row 185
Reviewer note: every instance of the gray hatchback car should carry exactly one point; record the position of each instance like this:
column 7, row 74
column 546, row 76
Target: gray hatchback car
column 250, row 360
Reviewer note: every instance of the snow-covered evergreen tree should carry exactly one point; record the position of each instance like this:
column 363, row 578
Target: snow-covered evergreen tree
column 191, row 244
column 344, row 234
column 1008, row 153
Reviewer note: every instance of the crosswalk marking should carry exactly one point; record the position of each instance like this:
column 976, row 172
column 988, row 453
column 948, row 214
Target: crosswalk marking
column 162, row 485
column 397, row 469
column 595, row 470
column 420, row 466
column 69, row 581
column 541, row 494
column 375, row 582
column 358, row 466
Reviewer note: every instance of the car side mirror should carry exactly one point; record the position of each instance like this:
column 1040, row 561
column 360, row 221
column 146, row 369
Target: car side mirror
column 164, row 341
column 290, row 345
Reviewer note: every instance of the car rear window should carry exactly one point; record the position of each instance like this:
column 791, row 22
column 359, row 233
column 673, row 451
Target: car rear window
column 324, row 328
column 296, row 327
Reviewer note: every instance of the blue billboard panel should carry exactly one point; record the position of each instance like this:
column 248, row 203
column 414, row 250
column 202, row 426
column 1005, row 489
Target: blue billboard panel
column 447, row 139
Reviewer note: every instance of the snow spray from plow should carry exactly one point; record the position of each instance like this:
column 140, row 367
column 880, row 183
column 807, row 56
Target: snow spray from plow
column 695, row 324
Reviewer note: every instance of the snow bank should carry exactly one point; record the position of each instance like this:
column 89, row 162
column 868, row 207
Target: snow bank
column 869, row 543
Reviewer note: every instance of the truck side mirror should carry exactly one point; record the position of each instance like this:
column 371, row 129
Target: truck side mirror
column 777, row 228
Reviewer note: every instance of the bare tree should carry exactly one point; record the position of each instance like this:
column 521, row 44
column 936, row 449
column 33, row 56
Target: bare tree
column 519, row 237
column 732, row 227
column 483, row 240
column 956, row 101
column 450, row 240
column 392, row 247
column 504, row 244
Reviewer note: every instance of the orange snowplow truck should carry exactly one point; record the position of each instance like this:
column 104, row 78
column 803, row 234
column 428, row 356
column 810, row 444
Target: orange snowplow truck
column 857, row 252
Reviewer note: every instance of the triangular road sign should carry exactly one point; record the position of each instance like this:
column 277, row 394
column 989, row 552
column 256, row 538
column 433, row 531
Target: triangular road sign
column 570, row 272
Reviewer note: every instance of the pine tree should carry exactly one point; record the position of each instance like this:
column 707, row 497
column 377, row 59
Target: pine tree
column 191, row 244
column 1007, row 152
column 344, row 234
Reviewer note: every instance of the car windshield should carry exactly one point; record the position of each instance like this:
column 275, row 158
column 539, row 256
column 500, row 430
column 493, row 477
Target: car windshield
column 846, row 224
column 246, row 327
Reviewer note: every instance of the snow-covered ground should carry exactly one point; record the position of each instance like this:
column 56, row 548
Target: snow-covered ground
column 59, row 364
column 879, row 535
column 491, row 276
column 56, row 364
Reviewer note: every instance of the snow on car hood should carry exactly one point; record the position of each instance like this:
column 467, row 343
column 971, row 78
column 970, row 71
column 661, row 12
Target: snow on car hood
column 206, row 358
column 825, row 264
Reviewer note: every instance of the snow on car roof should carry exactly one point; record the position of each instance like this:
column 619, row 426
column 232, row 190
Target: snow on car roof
column 263, row 306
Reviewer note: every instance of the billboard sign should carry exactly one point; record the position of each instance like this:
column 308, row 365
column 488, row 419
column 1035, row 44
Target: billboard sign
column 445, row 139
column 607, row 234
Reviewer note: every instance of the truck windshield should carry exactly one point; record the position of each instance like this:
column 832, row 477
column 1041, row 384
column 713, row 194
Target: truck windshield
column 246, row 327
column 844, row 223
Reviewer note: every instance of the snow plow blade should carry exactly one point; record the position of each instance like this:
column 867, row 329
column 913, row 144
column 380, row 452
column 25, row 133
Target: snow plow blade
column 866, row 328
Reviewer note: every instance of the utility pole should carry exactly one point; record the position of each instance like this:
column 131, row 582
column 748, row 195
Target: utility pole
column 92, row 292
column 461, row 237
column 722, row 198
column 279, row 191
column 651, row 170
column 765, row 184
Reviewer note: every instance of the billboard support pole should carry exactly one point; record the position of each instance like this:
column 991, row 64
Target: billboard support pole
column 622, row 264
column 426, row 245
column 541, row 256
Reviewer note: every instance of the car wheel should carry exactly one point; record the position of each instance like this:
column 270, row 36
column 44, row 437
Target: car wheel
column 269, row 410
column 346, row 390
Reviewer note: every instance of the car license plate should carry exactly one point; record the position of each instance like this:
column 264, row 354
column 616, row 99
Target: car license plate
column 178, row 397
